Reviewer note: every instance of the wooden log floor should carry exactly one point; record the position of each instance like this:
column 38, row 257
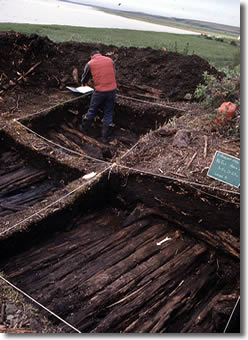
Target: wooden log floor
column 68, row 135
column 21, row 185
column 125, row 267
column 61, row 126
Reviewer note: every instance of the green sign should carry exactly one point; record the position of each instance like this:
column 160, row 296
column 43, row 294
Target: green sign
column 225, row 168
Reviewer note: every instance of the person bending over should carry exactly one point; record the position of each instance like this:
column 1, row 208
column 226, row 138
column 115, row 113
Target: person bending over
column 102, row 70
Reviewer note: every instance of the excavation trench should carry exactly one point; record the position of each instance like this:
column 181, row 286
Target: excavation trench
column 132, row 120
column 132, row 254
column 124, row 251
column 27, row 178
column 44, row 154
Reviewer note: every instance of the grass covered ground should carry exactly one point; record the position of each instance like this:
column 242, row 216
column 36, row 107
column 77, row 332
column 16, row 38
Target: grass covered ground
column 219, row 53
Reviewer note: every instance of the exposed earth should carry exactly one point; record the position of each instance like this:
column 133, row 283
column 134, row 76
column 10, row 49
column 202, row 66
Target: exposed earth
column 168, row 135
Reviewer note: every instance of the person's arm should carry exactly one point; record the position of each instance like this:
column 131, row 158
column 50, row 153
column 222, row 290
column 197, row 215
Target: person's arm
column 86, row 75
column 114, row 67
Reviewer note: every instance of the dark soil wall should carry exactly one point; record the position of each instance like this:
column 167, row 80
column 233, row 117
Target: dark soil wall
column 172, row 73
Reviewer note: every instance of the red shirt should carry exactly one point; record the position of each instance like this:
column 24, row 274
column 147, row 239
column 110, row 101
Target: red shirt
column 103, row 72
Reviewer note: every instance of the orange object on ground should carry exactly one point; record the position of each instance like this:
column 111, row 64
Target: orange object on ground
column 225, row 112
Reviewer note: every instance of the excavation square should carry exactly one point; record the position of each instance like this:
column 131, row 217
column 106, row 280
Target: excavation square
column 132, row 119
column 25, row 180
column 135, row 255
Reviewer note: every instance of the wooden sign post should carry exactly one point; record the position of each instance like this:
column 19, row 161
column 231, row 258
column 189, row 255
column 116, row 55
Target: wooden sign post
column 225, row 168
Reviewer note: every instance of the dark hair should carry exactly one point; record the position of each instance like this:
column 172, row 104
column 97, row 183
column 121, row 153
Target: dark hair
column 96, row 51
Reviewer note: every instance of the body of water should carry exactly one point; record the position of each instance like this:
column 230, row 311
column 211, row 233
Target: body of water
column 63, row 13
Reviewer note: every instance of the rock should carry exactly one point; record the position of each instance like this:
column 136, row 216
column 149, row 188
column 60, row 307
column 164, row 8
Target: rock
column 12, row 83
column 10, row 308
column 10, row 317
column 34, row 324
column 165, row 132
column 188, row 96
column 182, row 138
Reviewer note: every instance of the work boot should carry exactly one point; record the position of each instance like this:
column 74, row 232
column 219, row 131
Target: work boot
column 85, row 125
column 106, row 132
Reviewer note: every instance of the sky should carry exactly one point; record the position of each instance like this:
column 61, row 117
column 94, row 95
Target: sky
column 218, row 11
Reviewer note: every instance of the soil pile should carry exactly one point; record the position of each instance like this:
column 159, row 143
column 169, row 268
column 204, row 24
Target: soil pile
column 31, row 60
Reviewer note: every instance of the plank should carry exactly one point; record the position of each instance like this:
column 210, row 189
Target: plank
column 107, row 274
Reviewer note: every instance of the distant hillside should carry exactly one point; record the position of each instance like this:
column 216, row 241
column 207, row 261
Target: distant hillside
column 162, row 20
column 167, row 21
column 211, row 25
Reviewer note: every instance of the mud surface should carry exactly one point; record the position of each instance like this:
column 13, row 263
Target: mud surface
column 157, row 135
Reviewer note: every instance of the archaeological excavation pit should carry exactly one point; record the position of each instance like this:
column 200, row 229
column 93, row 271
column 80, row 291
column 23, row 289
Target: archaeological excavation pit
column 133, row 254
column 133, row 118
column 126, row 236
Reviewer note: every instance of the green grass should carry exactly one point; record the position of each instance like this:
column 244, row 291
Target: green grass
column 219, row 54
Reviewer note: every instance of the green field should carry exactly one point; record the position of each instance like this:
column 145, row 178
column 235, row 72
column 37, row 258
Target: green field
column 218, row 53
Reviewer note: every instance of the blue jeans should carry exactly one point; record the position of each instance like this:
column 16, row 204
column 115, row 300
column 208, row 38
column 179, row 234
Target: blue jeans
column 105, row 99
